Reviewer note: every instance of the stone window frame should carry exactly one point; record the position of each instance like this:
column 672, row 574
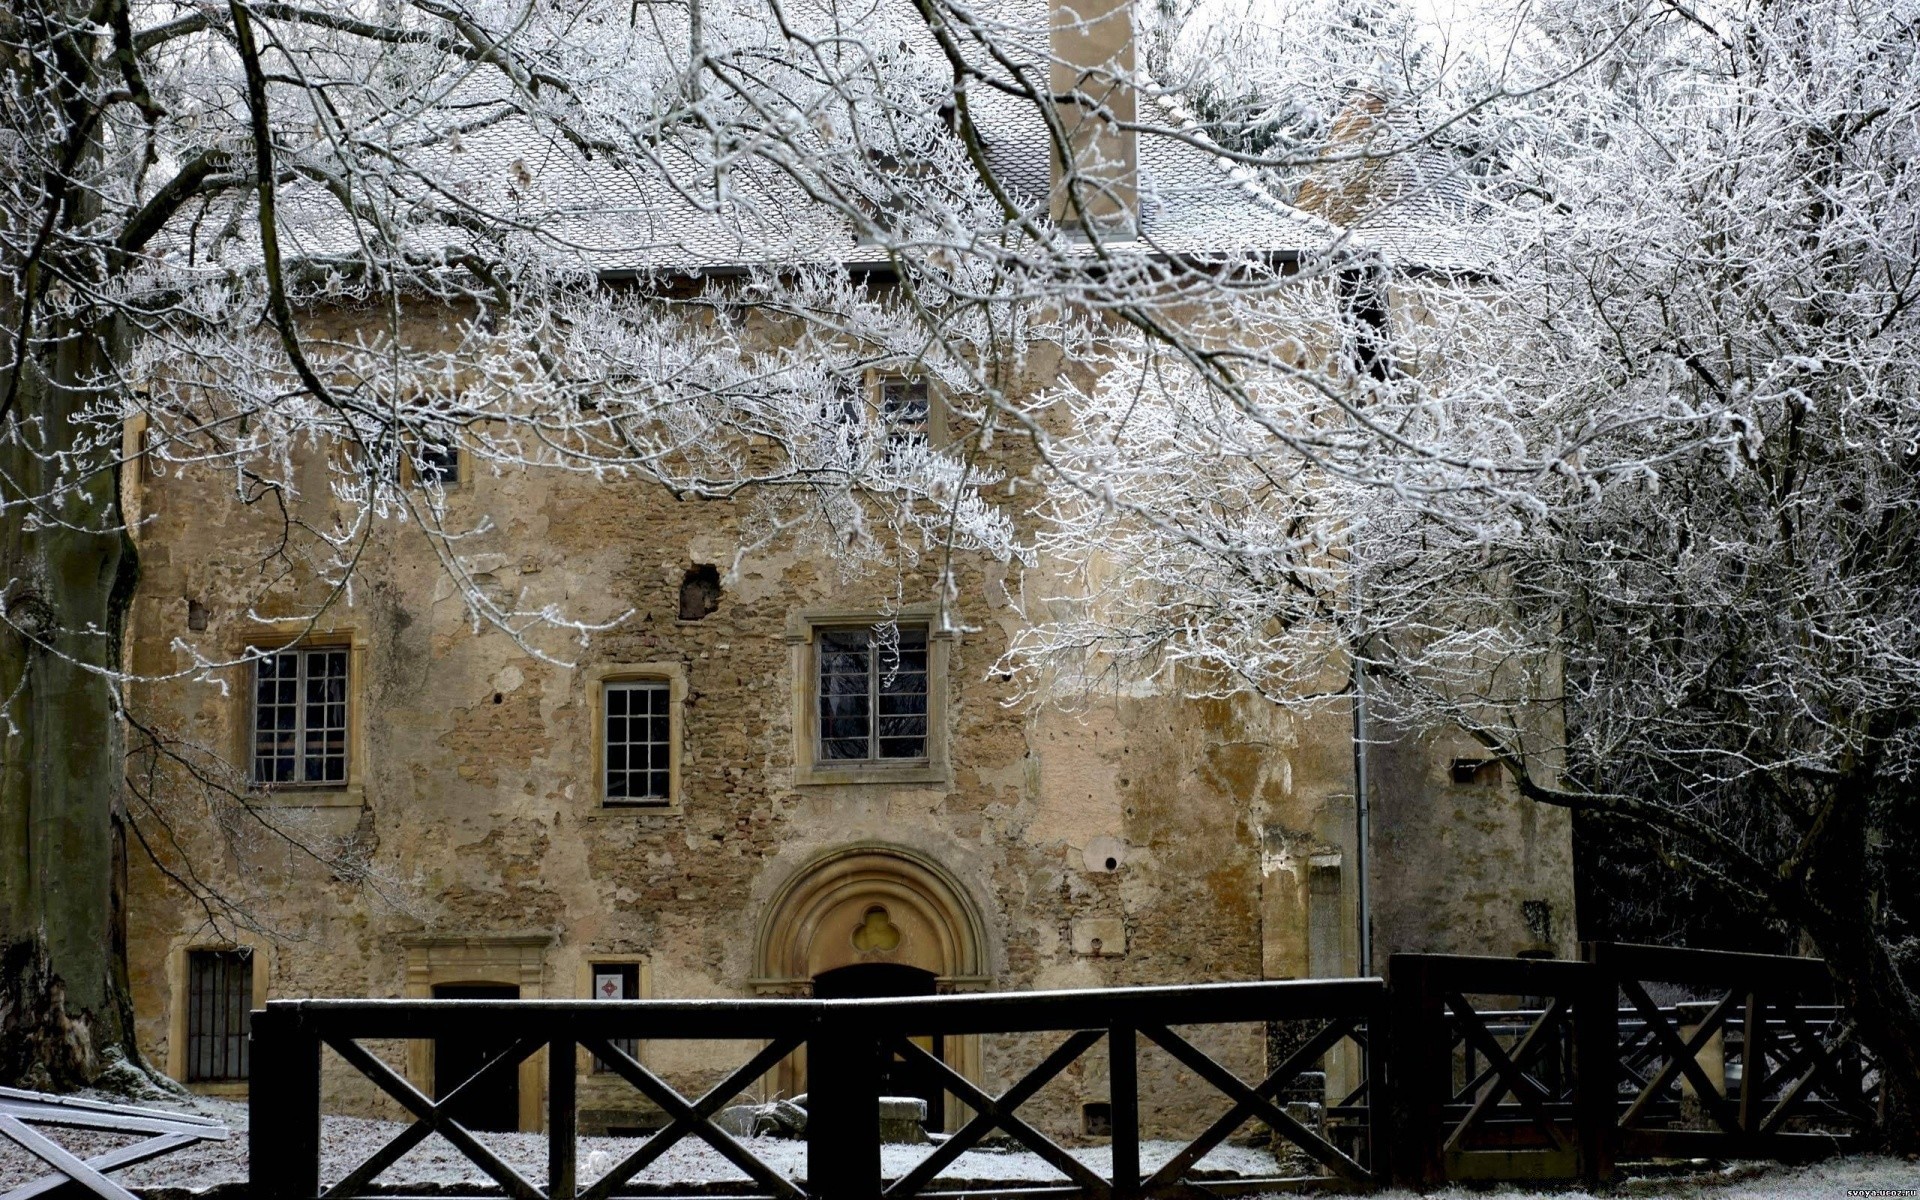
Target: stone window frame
column 809, row 770
column 589, row 959
column 876, row 380
column 598, row 676
column 349, row 793
column 177, row 1001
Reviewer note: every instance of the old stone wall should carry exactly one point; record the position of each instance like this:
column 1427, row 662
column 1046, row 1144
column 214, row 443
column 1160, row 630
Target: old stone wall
column 1144, row 840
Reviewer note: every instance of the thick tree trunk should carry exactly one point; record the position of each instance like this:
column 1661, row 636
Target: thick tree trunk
column 67, row 582
column 1836, row 909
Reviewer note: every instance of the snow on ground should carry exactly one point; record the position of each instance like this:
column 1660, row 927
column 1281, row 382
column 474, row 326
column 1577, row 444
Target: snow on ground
column 349, row 1140
column 1836, row 1179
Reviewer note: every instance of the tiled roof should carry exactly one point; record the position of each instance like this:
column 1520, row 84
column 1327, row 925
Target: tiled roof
column 1192, row 202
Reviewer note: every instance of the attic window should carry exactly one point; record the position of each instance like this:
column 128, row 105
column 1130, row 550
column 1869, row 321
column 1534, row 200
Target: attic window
column 1479, row 771
column 904, row 407
column 699, row 592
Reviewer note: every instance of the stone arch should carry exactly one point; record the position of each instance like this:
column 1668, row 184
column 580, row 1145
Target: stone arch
column 872, row 903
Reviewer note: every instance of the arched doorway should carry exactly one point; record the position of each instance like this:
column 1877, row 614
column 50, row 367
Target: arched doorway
column 899, row 1077
column 874, row 920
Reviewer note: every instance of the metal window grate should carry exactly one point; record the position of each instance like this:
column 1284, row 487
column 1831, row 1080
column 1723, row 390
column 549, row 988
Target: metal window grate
column 219, row 997
column 639, row 743
column 873, row 696
column 300, row 717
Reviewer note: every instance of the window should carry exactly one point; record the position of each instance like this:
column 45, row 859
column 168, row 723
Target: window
column 898, row 405
column 300, row 716
column 904, row 408
column 872, row 694
column 638, row 742
column 437, row 462
column 617, row 981
column 219, row 997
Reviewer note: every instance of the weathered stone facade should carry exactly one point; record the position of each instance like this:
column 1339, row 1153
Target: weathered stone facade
column 1147, row 840
column 1150, row 840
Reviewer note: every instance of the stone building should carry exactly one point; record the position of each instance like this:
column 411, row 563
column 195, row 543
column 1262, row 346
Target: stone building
column 674, row 816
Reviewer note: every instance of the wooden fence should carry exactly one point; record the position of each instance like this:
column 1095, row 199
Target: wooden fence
column 1459, row 1068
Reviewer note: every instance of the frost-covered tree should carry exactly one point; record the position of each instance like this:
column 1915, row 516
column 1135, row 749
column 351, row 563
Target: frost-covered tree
column 286, row 248
column 1650, row 534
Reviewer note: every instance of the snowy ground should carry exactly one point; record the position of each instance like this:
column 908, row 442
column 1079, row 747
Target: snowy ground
column 347, row 1141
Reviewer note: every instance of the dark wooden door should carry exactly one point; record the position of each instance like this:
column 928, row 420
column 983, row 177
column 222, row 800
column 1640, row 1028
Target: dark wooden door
column 899, row 1077
column 496, row 1103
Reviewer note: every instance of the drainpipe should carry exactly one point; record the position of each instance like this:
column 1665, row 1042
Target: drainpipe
column 1362, row 817
column 1364, row 301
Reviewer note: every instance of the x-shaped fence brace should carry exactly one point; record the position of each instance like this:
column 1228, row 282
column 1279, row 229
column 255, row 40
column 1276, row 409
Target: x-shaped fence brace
column 1249, row 1102
column 692, row 1117
column 432, row 1117
column 1506, row 1073
column 1255, row 1101
column 1809, row 1059
column 21, row 1110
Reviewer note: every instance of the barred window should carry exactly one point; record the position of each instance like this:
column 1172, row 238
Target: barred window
column 872, row 694
column 639, row 742
column 219, row 997
column 300, row 717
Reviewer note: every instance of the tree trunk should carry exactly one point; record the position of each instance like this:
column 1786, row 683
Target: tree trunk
column 1837, row 911
column 68, row 585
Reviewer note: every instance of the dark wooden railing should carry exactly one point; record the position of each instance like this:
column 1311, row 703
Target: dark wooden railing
column 1481, row 1068
column 847, row 1043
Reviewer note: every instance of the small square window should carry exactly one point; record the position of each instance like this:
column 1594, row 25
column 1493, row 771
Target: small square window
column 637, row 742
column 904, row 408
column 872, row 694
column 437, row 462
column 300, row 717
column 616, row 981
column 219, row 999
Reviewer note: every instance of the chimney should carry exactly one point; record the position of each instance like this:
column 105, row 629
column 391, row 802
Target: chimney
column 1092, row 72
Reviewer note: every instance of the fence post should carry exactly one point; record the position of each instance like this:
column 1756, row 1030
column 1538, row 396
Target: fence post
column 1596, row 1067
column 283, row 1107
column 1380, row 1096
column 562, row 1119
column 843, row 1108
column 1419, row 1068
column 1123, row 1100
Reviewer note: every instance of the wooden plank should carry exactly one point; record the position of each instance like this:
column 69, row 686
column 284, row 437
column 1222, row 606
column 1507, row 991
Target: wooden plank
column 121, row 1156
column 998, row 1012
column 1123, row 1098
column 563, row 1118
column 62, row 1160
column 1726, row 969
column 1704, row 1143
column 108, row 1122
column 44, row 1100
